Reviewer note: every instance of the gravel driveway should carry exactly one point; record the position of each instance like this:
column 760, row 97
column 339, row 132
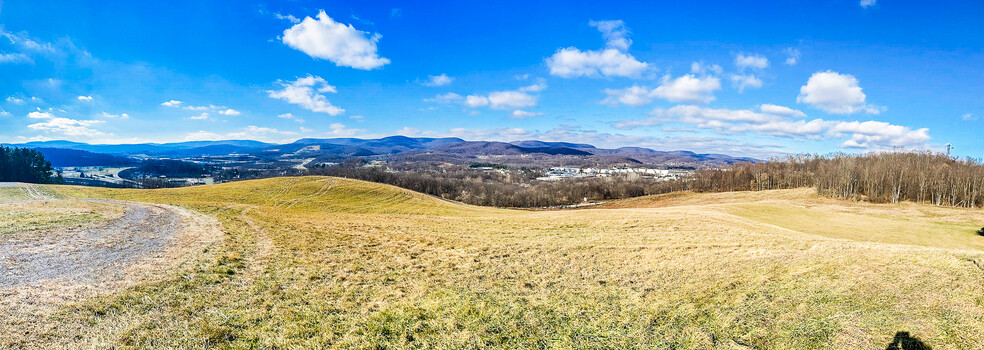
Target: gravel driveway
column 40, row 271
column 89, row 254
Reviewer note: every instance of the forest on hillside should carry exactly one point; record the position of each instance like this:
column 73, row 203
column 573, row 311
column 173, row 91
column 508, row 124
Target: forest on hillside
column 25, row 165
column 887, row 177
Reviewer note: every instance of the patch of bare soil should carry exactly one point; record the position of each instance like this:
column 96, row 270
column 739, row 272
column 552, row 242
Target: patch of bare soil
column 40, row 273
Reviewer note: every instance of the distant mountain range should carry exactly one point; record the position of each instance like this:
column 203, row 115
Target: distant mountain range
column 393, row 148
column 154, row 149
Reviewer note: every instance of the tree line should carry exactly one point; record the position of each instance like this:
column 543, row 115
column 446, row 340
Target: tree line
column 888, row 177
column 25, row 165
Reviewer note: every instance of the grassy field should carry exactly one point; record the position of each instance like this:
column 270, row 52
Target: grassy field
column 315, row 262
column 53, row 215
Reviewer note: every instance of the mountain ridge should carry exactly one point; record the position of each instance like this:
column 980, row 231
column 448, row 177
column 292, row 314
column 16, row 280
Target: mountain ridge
column 404, row 148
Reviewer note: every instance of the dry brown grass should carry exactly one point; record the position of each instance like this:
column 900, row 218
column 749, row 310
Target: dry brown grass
column 333, row 263
column 52, row 216
column 29, row 311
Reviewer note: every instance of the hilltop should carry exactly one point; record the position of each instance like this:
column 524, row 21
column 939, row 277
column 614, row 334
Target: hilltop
column 329, row 262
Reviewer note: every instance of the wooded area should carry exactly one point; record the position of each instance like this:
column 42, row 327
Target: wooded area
column 888, row 177
column 25, row 165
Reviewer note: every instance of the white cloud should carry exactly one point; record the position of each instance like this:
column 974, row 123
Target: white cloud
column 521, row 114
column 880, row 135
column 502, row 100
column 4, row 113
column 631, row 96
column 27, row 44
column 476, row 101
column 742, row 81
column 408, row 131
column 339, row 130
column 219, row 109
column 614, row 32
column 290, row 18
column 698, row 115
column 571, row 63
column 835, row 93
column 251, row 132
column 15, row 58
column 116, row 116
column 698, row 68
column 445, row 98
column 203, row 135
column 688, row 88
column 199, row 108
column 968, row 117
column 339, row 43
column 85, row 98
column 612, row 61
column 14, row 100
column 751, row 61
column 308, row 92
column 867, row 3
column 24, row 48
column 539, row 86
column 792, row 56
column 203, row 116
column 40, row 115
column 289, row 116
column 64, row 126
column 813, row 129
column 781, row 111
column 438, row 80
column 772, row 121
column 511, row 99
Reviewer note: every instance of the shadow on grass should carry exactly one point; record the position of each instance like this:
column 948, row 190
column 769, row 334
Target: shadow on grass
column 903, row 341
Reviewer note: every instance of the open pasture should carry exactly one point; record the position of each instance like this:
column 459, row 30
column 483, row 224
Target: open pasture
column 316, row 262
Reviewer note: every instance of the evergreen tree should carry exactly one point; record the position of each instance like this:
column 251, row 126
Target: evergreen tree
column 24, row 165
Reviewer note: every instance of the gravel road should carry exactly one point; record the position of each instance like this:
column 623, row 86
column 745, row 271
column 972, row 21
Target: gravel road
column 89, row 254
column 147, row 241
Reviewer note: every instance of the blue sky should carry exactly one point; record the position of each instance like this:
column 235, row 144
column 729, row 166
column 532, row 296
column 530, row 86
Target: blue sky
column 758, row 78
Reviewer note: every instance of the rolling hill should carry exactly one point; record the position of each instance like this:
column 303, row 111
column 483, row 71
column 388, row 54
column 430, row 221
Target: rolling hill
column 335, row 263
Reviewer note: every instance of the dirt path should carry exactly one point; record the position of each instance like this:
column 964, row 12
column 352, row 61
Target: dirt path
column 89, row 254
column 41, row 272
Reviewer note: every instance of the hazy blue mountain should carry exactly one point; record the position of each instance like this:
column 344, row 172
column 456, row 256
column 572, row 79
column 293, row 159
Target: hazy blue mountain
column 63, row 157
column 400, row 148
column 159, row 149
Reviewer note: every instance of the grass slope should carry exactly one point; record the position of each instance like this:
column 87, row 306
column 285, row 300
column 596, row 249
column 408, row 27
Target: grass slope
column 804, row 211
column 299, row 194
column 333, row 263
column 53, row 215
